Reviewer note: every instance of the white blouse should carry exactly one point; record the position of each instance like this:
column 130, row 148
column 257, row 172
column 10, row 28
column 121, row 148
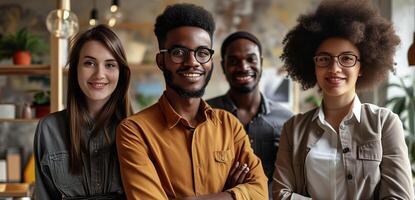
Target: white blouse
column 325, row 172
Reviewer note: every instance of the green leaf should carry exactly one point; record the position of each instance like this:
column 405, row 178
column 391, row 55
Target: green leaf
column 313, row 100
column 393, row 100
column 399, row 106
column 22, row 40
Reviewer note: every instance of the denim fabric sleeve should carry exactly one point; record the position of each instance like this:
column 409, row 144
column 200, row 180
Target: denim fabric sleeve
column 44, row 187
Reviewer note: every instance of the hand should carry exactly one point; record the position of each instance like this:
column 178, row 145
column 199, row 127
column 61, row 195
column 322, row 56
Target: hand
column 237, row 175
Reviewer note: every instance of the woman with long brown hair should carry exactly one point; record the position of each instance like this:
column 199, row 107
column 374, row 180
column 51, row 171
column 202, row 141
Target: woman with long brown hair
column 75, row 149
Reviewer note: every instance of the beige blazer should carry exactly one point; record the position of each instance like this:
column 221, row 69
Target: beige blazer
column 375, row 156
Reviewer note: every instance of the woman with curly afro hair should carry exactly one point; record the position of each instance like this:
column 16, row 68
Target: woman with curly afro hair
column 343, row 149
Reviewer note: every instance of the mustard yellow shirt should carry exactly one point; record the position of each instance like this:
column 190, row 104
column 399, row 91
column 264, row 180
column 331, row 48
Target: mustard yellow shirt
column 162, row 158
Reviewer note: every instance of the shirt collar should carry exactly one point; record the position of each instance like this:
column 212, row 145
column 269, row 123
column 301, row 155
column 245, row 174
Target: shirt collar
column 173, row 118
column 356, row 111
column 210, row 113
column 263, row 109
column 229, row 104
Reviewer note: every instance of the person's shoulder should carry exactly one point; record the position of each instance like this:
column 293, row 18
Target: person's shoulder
column 372, row 111
column 53, row 127
column 216, row 102
column 224, row 115
column 302, row 117
column 54, row 118
column 150, row 114
column 372, row 108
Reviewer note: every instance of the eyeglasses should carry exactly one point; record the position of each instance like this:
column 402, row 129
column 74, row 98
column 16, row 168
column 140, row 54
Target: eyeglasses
column 179, row 54
column 346, row 60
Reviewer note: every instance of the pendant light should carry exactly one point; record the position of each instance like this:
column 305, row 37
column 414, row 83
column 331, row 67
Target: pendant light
column 62, row 22
column 93, row 19
column 114, row 6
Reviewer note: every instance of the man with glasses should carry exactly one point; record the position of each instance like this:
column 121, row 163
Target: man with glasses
column 181, row 148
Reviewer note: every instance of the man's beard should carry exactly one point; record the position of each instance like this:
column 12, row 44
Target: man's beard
column 244, row 89
column 168, row 77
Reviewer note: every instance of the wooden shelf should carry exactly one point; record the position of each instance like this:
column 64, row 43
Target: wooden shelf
column 14, row 190
column 24, row 69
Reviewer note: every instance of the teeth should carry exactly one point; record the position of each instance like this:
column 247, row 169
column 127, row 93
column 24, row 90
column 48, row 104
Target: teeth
column 243, row 78
column 192, row 75
column 335, row 78
column 98, row 84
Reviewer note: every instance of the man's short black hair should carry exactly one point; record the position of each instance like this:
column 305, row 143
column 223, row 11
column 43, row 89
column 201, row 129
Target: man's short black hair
column 239, row 35
column 184, row 14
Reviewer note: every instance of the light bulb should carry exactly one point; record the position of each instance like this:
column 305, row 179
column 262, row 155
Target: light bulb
column 62, row 23
column 113, row 18
column 114, row 8
column 94, row 17
column 112, row 21
column 92, row 22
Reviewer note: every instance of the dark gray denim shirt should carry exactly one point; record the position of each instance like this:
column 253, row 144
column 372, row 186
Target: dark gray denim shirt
column 100, row 173
column 263, row 130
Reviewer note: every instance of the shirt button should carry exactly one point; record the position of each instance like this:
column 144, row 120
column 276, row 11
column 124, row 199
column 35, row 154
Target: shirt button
column 342, row 126
column 345, row 150
column 95, row 151
column 349, row 176
column 252, row 141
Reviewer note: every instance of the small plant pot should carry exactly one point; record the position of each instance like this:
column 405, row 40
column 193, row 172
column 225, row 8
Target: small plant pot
column 22, row 58
column 41, row 110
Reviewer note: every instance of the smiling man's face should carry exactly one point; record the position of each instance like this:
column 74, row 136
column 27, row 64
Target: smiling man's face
column 189, row 78
column 242, row 65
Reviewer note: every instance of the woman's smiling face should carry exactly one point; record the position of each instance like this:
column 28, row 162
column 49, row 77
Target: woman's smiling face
column 336, row 79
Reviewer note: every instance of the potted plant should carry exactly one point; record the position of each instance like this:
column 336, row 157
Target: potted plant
column 41, row 103
column 20, row 46
column 404, row 106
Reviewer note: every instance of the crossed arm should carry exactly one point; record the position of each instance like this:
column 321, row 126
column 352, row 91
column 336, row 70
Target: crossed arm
column 237, row 176
column 141, row 179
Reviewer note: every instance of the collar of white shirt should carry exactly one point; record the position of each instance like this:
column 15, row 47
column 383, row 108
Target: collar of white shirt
column 356, row 111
